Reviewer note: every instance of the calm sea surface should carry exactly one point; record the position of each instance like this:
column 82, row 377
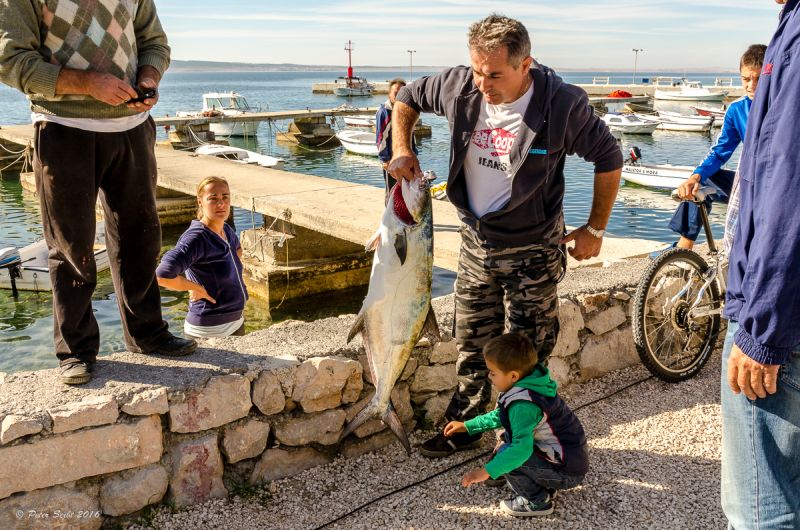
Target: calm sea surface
column 26, row 324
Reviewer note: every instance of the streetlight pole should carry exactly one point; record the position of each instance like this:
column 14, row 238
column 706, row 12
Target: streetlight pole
column 411, row 64
column 635, row 61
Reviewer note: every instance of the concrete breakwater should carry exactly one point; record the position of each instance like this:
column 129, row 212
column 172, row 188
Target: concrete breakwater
column 247, row 410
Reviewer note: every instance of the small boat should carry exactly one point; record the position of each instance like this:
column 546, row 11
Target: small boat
column 667, row 123
column 29, row 263
column 628, row 124
column 683, row 118
column 241, row 156
column 662, row 176
column 704, row 110
column 227, row 104
column 639, row 107
column 359, row 121
column 359, row 142
column 351, row 85
column 690, row 91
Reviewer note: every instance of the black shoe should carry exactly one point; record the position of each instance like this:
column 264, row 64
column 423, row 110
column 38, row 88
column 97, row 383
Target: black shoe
column 498, row 482
column 440, row 447
column 173, row 347
column 76, row 372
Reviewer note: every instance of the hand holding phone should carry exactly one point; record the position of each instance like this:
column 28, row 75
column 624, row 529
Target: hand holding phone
column 143, row 94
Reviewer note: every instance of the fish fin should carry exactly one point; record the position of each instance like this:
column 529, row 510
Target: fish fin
column 365, row 414
column 391, row 419
column 374, row 242
column 358, row 327
column 401, row 246
column 431, row 327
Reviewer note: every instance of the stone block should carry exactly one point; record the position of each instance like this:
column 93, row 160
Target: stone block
column 56, row 507
column 559, row 370
column 268, row 394
column 323, row 383
column 607, row 320
column 196, row 472
column 15, row 426
column 131, row 491
column 147, row 402
column 323, row 428
column 593, row 302
column 444, row 352
column 620, row 295
column 408, row 371
column 224, row 399
column 434, row 378
column 612, row 351
column 60, row 459
column 570, row 321
column 356, row 447
column 276, row 464
column 436, row 406
column 89, row 412
column 245, row 440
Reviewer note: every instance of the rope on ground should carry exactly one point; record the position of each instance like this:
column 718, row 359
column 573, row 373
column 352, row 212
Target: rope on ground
column 9, row 151
column 467, row 461
column 284, row 241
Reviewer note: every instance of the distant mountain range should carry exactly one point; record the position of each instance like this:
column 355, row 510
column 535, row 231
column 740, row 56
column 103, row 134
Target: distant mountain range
column 216, row 66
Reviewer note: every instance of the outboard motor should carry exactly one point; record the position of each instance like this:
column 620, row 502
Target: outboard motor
column 11, row 260
column 634, row 155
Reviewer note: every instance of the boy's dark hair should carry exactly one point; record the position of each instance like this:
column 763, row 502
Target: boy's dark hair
column 397, row 81
column 753, row 57
column 512, row 351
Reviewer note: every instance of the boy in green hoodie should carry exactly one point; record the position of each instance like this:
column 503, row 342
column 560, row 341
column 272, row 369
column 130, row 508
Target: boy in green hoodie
column 544, row 445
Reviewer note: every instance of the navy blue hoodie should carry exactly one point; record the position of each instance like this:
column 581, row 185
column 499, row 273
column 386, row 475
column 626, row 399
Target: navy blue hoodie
column 207, row 259
column 763, row 277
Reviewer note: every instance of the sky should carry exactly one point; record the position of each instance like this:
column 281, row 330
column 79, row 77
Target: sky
column 579, row 34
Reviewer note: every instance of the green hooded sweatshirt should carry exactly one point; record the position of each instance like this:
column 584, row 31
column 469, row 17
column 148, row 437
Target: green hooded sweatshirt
column 524, row 417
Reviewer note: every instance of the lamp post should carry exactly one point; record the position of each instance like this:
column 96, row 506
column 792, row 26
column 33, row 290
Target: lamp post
column 411, row 64
column 635, row 61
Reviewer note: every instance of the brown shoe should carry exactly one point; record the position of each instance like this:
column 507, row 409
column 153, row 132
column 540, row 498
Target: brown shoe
column 76, row 373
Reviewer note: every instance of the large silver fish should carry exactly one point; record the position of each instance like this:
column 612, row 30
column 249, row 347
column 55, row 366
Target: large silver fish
column 397, row 310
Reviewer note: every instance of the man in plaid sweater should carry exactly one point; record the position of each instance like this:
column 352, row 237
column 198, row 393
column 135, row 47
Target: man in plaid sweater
column 82, row 63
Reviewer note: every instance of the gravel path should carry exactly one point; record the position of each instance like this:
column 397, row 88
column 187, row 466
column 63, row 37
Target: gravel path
column 655, row 463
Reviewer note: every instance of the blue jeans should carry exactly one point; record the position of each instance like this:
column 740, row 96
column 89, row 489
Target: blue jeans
column 686, row 220
column 534, row 478
column 761, row 451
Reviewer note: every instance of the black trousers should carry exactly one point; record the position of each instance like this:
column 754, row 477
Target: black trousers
column 72, row 166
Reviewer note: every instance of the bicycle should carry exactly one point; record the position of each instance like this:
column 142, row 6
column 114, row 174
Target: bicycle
column 677, row 307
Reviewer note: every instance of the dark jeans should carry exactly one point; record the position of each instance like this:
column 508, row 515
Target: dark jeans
column 686, row 221
column 533, row 478
column 72, row 166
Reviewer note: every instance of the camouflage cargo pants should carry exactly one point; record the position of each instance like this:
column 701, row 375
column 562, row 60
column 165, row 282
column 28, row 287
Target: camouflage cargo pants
column 500, row 290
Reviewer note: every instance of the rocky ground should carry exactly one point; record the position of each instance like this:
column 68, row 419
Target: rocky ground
column 655, row 457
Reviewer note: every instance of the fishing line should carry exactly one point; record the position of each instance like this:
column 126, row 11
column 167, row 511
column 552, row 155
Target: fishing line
column 467, row 461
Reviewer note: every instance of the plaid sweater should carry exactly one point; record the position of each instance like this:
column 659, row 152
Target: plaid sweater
column 40, row 37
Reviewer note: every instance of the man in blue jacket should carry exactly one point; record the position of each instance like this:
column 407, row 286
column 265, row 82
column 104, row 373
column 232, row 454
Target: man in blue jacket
column 383, row 132
column 761, row 359
column 513, row 124
column 687, row 221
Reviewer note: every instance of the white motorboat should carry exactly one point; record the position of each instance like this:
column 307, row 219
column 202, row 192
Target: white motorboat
column 663, row 176
column 241, row 156
column 628, row 124
column 227, row 104
column 351, row 85
column 359, row 142
column 667, row 123
column 690, row 119
column 708, row 110
column 690, row 91
column 360, row 121
column 29, row 263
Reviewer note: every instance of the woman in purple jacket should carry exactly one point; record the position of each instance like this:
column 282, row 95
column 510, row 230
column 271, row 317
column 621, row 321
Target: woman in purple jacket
column 206, row 261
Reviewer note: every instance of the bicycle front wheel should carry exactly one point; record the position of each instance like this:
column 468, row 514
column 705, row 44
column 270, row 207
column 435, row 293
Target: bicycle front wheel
column 676, row 320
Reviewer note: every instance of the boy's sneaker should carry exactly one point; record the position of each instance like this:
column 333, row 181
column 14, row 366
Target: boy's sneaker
column 520, row 507
column 76, row 373
column 440, row 447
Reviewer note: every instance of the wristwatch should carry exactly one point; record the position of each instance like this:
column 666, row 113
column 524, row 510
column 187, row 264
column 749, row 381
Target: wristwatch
column 594, row 231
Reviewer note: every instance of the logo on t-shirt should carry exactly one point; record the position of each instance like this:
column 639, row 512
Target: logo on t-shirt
column 499, row 139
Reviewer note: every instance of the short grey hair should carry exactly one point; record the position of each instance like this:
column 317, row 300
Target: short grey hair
column 496, row 31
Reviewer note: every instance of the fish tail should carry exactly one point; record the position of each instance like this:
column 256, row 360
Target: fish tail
column 365, row 414
column 391, row 419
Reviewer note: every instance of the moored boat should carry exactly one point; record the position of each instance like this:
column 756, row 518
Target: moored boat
column 351, row 85
column 628, row 124
column 690, row 91
column 359, row 142
column 707, row 110
column 667, row 123
column 241, row 156
column 359, row 121
column 662, row 176
column 227, row 105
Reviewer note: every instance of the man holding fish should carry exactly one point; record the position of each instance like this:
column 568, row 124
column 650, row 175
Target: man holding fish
column 513, row 123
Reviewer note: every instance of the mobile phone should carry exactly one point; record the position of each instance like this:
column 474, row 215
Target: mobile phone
column 143, row 94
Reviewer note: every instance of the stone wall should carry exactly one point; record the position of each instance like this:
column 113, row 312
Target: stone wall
column 241, row 411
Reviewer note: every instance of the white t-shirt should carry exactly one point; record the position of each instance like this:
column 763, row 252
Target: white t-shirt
column 487, row 167
column 102, row 125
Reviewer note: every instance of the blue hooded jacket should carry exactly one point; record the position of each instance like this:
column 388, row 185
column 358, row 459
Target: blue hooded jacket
column 764, row 273
column 732, row 134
